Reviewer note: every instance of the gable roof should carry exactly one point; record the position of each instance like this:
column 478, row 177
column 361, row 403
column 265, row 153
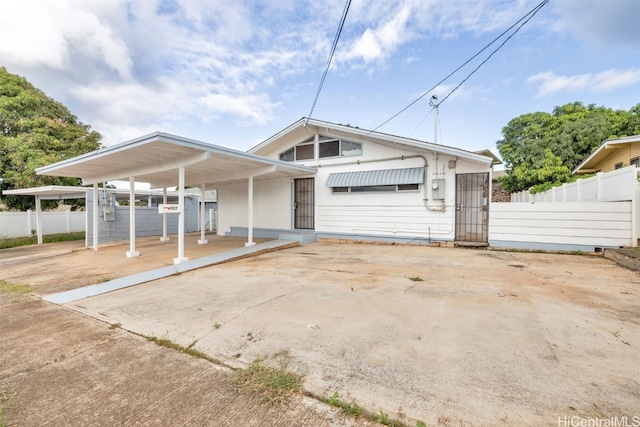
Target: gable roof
column 605, row 150
column 304, row 126
column 155, row 158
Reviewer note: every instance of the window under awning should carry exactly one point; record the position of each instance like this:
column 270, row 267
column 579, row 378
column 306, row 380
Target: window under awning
column 376, row 177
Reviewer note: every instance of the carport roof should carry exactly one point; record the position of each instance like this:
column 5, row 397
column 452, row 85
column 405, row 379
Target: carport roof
column 50, row 192
column 155, row 158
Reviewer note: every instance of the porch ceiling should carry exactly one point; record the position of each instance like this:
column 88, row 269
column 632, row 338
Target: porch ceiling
column 155, row 159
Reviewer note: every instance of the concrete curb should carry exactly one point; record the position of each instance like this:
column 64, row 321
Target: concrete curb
column 160, row 273
column 622, row 259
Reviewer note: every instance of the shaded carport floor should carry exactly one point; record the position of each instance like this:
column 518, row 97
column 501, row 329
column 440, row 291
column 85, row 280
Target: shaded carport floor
column 58, row 267
column 475, row 337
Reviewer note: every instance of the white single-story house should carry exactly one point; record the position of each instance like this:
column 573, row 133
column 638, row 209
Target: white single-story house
column 366, row 186
column 313, row 178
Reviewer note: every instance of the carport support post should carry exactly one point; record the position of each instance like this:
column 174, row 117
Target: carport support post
column 164, row 237
column 202, row 240
column 181, row 258
column 132, row 219
column 250, row 241
column 95, row 217
column 39, row 219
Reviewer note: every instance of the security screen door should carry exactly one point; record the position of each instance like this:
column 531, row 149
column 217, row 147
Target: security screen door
column 472, row 207
column 303, row 204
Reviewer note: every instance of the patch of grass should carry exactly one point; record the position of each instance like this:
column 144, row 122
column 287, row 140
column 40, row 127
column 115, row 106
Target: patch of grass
column 420, row 424
column 416, row 279
column 14, row 288
column 355, row 410
column 383, row 418
column 350, row 409
column 163, row 342
column 4, row 403
column 216, row 325
column 274, row 384
column 32, row 240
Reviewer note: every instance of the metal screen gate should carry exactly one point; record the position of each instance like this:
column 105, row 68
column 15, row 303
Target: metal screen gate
column 303, row 204
column 472, row 207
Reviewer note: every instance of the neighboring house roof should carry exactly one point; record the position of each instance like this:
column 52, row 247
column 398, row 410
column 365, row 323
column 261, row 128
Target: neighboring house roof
column 154, row 158
column 498, row 174
column 591, row 163
column 303, row 125
column 488, row 153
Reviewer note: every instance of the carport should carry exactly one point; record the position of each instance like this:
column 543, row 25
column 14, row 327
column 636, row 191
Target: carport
column 164, row 160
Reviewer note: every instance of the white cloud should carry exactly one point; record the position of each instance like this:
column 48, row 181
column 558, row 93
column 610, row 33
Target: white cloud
column 252, row 108
column 382, row 28
column 138, row 66
column 609, row 80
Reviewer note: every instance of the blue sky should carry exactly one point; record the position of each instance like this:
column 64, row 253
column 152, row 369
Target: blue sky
column 234, row 72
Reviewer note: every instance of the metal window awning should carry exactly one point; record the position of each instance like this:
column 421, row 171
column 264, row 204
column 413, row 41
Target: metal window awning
column 376, row 177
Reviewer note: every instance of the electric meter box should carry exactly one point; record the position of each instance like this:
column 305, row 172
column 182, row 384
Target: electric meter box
column 438, row 189
column 109, row 213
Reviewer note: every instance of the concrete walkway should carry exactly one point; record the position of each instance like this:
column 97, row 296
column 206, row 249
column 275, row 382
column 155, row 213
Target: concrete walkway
column 159, row 273
column 61, row 368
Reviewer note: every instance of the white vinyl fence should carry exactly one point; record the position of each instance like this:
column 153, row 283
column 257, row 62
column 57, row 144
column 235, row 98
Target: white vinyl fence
column 23, row 224
column 598, row 212
column 615, row 186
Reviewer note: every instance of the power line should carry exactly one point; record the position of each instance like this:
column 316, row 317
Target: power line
column 333, row 49
column 537, row 9
column 531, row 12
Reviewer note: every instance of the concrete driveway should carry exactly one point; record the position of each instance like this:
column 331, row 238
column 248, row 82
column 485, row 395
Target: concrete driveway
column 447, row 336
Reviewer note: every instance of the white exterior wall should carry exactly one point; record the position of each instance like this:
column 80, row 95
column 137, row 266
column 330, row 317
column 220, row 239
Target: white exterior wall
column 561, row 225
column 389, row 214
column 385, row 214
column 21, row 224
column 271, row 204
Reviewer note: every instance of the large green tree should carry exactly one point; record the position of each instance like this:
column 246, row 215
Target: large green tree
column 35, row 131
column 533, row 141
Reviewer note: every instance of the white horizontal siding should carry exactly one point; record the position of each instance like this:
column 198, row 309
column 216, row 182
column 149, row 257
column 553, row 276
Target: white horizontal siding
column 391, row 220
column 606, row 224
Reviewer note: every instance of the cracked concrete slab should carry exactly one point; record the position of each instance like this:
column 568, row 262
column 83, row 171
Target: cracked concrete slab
column 447, row 336
column 432, row 333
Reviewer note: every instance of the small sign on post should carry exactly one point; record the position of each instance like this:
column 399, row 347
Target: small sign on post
column 169, row 209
